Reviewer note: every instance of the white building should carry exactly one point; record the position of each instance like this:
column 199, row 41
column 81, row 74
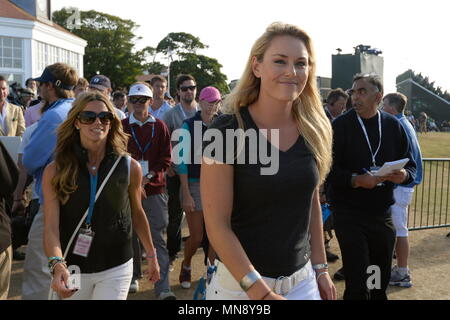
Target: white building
column 29, row 40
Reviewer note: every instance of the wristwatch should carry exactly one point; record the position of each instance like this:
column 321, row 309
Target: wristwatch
column 149, row 176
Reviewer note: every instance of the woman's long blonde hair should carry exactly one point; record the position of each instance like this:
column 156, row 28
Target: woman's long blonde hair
column 307, row 108
column 66, row 161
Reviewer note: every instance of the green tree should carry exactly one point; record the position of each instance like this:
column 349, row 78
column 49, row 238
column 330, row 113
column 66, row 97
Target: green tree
column 180, row 42
column 205, row 70
column 182, row 48
column 110, row 50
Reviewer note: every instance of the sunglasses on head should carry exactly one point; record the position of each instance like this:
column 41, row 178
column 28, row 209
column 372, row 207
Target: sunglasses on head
column 184, row 89
column 89, row 117
column 138, row 99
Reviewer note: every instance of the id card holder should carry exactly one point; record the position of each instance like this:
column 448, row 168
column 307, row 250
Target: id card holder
column 84, row 242
column 144, row 166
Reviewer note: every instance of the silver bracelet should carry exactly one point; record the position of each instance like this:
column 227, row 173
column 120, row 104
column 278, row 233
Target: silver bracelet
column 320, row 266
column 321, row 274
column 249, row 280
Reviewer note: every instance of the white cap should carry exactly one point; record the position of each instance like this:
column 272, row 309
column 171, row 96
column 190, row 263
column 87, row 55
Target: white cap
column 140, row 89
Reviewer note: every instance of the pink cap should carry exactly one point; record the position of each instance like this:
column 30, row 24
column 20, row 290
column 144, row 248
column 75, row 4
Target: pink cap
column 210, row 94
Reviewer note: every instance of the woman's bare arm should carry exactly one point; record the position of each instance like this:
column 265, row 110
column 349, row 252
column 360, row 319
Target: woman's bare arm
column 318, row 255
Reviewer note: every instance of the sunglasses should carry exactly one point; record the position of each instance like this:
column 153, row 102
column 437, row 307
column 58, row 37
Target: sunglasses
column 89, row 117
column 184, row 89
column 214, row 104
column 138, row 99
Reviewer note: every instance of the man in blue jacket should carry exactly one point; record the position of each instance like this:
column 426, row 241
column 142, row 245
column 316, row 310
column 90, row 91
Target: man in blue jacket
column 394, row 103
column 55, row 86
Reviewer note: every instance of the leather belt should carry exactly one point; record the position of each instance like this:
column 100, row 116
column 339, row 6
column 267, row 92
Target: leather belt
column 282, row 285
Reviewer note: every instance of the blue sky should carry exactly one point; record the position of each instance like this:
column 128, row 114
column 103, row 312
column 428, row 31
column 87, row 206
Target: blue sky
column 412, row 34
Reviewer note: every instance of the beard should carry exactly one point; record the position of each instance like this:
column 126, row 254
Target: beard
column 187, row 100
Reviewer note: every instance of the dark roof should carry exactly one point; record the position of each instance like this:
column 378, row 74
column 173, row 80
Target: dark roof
column 10, row 10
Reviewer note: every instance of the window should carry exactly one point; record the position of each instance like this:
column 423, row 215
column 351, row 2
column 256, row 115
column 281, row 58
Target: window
column 48, row 54
column 13, row 77
column 11, row 53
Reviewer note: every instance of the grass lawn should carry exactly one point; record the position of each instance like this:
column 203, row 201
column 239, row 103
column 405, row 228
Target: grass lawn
column 435, row 144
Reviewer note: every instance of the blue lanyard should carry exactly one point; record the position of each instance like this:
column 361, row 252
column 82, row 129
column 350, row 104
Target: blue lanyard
column 93, row 180
column 139, row 145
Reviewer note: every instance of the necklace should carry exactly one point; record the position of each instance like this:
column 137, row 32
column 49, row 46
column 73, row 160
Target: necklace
column 94, row 164
column 93, row 167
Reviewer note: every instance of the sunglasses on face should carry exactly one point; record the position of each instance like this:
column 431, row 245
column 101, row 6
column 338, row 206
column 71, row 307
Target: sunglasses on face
column 184, row 89
column 138, row 99
column 216, row 103
column 89, row 117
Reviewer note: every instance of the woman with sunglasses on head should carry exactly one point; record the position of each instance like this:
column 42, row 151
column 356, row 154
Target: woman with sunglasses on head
column 266, row 227
column 92, row 149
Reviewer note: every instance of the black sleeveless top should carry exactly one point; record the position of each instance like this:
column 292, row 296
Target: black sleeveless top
column 111, row 219
column 271, row 213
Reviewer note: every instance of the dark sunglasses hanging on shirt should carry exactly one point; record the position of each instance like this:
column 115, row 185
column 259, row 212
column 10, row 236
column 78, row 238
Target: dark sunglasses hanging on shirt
column 88, row 117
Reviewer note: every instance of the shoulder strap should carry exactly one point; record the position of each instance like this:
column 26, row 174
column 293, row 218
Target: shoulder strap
column 129, row 169
column 87, row 211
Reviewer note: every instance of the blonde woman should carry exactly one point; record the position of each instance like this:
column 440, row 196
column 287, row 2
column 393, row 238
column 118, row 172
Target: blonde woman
column 267, row 229
column 89, row 143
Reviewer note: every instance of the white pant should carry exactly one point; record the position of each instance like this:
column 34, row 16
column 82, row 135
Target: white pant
column 224, row 287
column 111, row 284
column 403, row 197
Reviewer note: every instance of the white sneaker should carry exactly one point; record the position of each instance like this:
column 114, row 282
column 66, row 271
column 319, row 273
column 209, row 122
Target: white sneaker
column 399, row 279
column 134, row 287
column 167, row 295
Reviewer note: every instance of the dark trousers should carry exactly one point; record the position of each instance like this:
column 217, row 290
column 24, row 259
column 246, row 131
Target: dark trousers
column 365, row 240
column 21, row 225
column 175, row 215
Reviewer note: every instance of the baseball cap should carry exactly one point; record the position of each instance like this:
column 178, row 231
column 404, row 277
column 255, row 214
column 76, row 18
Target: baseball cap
column 167, row 95
column 210, row 94
column 140, row 89
column 26, row 92
column 48, row 76
column 100, row 82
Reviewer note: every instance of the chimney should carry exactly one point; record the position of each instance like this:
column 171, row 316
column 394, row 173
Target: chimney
column 41, row 9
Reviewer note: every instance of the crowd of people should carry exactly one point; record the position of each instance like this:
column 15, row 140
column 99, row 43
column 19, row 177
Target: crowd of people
column 114, row 172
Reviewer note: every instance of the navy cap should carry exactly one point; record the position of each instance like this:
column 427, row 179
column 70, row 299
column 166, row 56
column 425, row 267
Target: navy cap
column 167, row 95
column 100, row 82
column 47, row 76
